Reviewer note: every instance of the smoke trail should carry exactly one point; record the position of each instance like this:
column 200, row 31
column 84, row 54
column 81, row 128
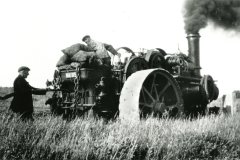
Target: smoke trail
column 224, row 13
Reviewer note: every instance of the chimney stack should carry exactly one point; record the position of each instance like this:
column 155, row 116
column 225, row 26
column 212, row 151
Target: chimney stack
column 193, row 52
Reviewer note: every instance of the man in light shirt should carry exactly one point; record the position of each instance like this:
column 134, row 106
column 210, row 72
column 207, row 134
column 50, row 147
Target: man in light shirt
column 101, row 49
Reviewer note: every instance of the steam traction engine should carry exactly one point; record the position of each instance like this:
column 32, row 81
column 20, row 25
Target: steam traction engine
column 151, row 83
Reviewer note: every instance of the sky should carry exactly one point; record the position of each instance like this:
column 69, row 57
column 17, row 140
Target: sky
column 33, row 33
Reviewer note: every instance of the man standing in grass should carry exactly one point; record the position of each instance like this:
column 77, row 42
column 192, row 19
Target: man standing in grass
column 22, row 102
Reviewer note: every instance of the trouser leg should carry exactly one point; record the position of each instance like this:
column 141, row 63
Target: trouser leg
column 27, row 116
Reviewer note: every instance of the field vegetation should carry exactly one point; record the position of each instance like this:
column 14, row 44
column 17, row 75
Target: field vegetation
column 50, row 137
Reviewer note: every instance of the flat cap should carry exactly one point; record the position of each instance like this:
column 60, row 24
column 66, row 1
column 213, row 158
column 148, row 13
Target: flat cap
column 85, row 37
column 23, row 68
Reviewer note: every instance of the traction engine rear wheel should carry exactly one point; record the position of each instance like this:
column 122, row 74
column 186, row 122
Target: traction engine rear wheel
column 152, row 91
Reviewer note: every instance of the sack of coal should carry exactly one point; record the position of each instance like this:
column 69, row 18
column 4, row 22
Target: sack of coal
column 73, row 49
column 64, row 60
column 82, row 56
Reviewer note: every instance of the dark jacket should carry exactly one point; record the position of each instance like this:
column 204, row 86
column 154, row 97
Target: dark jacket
column 22, row 101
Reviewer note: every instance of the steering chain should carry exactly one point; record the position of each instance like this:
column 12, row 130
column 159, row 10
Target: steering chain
column 76, row 88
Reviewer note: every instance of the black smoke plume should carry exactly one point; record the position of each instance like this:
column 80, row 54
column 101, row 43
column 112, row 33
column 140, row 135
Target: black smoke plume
column 223, row 13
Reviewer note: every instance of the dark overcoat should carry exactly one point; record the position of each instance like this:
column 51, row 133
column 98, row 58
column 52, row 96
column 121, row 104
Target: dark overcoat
column 22, row 101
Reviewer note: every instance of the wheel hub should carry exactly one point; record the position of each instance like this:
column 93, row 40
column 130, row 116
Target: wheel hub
column 159, row 106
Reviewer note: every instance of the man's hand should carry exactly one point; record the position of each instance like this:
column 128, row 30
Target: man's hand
column 49, row 83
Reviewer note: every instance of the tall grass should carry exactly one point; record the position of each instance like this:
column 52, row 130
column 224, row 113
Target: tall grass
column 48, row 137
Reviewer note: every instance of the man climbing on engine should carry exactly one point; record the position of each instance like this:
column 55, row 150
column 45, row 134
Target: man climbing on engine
column 100, row 49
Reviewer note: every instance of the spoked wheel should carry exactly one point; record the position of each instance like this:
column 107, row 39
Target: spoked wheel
column 135, row 64
column 150, row 92
column 155, row 58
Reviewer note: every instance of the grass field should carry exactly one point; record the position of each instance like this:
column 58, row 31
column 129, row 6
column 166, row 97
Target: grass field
column 49, row 137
